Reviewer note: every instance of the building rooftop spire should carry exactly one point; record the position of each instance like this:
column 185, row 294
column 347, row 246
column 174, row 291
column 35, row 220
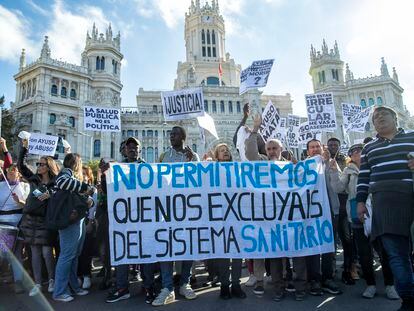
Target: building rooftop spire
column 45, row 53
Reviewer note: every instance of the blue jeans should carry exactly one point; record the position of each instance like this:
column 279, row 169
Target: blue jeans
column 397, row 248
column 122, row 276
column 71, row 243
column 167, row 273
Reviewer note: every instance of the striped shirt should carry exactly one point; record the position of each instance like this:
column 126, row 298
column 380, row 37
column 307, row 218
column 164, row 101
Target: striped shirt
column 384, row 160
column 67, row 181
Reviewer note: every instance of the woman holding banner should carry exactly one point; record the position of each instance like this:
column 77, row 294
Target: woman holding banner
column 33, row 223
column 222, row 154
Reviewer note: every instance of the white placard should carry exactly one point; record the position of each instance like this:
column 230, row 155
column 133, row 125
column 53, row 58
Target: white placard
column 207, row 122
column 358, row 121
column 256, row 75
column 321, row 112
column 101, row 119
column 270, row 122
column 305, row 134
column 292, row 134
column 42, row 144
column 183, row 104
column 348, row 110
column 199, row 210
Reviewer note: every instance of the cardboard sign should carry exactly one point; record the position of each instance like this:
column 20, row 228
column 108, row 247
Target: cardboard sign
column 348, row 110
column 305, row 134
column 321, row 112
column 101, row 119
column 183, row 104
column 292, row 134
column 270, row 122
column 256, row 75
column 199, row 210
column 358, row 122
column 41, row 144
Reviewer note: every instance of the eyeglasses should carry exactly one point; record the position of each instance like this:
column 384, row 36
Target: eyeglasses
column 40, row 164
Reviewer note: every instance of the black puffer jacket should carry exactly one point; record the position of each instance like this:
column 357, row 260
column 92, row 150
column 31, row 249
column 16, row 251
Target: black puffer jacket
column 33, row 224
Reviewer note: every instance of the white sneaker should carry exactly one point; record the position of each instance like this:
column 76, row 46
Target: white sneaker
column 51, row 286
column 251, row 281
column 187, row 292
column 35, row 290
column 64, row 298
column 164, row 297
column 391, row 293
column 369, row 292
column 81, row 292
column 86, row 282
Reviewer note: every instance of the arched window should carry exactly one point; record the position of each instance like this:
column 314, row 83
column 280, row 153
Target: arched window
column 363, row 103
column 230, row 106
column 54, row 90
column 143, row 133
column 214, row 106
column 97, row 148
column 194, row 147
column 130, row 133
column 379, row 101
column 150, row 133
column 154, row 108
column 206, row 105
column 72, row 121
column 123, row 133
column 136, row 133
column 72, row 94
column 52, row 118
column 150, row 155
column 102, row 63
column 203, row 37
column 208, row 36
column 213, row 81
column 238, row 107
column 156, row 133
column 222, row 106
column 114, row 67
column 98, row 63
column 213, row 37
column 371, row 101
column 63, row 91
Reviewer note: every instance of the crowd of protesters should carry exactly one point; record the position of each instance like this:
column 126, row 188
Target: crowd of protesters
column 373, row 179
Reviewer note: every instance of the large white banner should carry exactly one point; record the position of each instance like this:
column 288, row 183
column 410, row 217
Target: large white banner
column 348, row 110
column 321, row 111
column 256, row 75
column 305, row 134
column 199, row 210
column 101, row 119
column 292, row 134
column 270, row 122
column 183, row 104
column 41, row 144
column 358, row 122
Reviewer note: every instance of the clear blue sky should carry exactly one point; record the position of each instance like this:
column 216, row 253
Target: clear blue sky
column 152, row 38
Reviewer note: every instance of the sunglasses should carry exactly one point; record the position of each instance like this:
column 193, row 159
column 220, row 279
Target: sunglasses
column 40, row 164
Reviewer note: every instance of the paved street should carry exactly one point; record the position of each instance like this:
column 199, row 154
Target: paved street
column 207, row 300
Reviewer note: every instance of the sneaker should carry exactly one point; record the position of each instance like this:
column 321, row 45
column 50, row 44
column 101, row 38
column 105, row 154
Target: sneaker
column 369, row 292
column 330, row 286
column 236, row 291
column 315, row 289
column 187, row 292
column 300, row 295
column 251, row 281
column 149, row 295
column 164, row 297
column 290, row 288
column 278, row 296
column 35, row 290
column 86, row 282
column 225, row 292
column 391, row 293
column 259, row 289
column 268, row 279
column 18, row 287
column 64, row 298
column 81, row 292
column 51, row 286
column 117, row 295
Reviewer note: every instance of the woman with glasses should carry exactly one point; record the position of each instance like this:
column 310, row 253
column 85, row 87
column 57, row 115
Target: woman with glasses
column 33, row 224
column 347, row 181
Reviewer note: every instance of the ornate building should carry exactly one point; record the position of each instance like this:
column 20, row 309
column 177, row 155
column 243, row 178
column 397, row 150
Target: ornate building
column 204, row 37
column 50, row 94
column 328, row 75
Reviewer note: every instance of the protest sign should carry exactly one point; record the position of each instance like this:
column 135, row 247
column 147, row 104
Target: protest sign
column 321, row 111
column 358, row 122
column 42, row 144
column 305, row 134
column 183, row 104
column 348, row 110
column 101, row 119
column 292, row 133
column 270, row 122
column 281, row 130
column 207, row 122
column 199, row 210
column 256, row 75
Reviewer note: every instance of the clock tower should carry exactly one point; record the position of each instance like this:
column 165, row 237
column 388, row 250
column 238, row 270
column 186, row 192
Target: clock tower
column 204, row 37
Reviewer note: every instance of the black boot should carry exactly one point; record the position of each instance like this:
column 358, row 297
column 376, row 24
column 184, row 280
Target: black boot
column 237, row 292
column 225, row 292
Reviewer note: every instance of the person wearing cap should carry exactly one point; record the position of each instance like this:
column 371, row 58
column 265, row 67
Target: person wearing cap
column 132, row 152
column 347, row 181
column 386, row 174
